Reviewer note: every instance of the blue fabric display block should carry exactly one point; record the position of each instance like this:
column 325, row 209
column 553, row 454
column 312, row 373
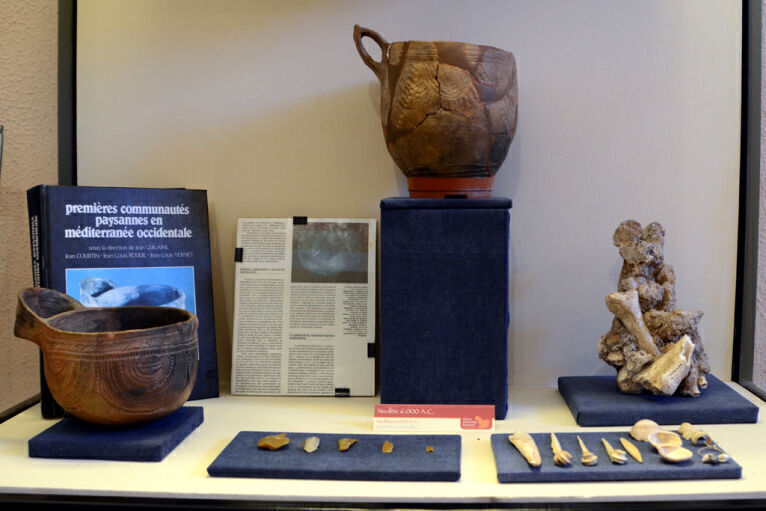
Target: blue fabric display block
column 513, row 468
column 364, row 461
column 444, row 301
column 72, row 438
column 596, row 401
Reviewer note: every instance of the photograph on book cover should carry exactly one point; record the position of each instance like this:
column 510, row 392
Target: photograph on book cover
column 304, row 307
column 164, row 286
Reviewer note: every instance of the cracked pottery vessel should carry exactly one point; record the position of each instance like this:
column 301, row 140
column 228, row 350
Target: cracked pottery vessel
column 111, row 365
column 448, row 111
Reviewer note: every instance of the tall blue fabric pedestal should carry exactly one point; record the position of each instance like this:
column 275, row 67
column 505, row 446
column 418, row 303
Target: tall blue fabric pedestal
column 444, row 301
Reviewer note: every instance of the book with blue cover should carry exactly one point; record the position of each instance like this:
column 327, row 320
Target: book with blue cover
column 109, row 247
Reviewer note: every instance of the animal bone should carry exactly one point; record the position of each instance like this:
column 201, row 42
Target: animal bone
column 667, row 371
column 560, row 456
column 588, row 458
column 526, row 446
column 632, row 449
column 625, row 306
column 616, row 456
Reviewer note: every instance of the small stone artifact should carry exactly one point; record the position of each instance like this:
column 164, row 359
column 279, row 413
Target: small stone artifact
column 643, row 428
column 561, row 457
column 588, row 458
column 616, row 456
column 429, row 448
column 344, row 444
column 527, row 447
column 273, row 442
column 695, row 436
column 631, row 449
column 653, row 345
column 387, row 447
column 448, row 111
column 113, row 365
column 311, row 444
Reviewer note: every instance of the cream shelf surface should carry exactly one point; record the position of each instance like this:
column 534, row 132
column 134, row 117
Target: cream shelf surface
column 183, row 475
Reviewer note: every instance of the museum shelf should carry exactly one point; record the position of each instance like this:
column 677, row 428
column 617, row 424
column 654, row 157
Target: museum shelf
column 182, row 476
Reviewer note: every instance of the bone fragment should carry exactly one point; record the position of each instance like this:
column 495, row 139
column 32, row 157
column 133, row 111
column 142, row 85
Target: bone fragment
column 631, row 449
column 665, row 374
column 527, row 447
column 561, row 457
column 625, row 306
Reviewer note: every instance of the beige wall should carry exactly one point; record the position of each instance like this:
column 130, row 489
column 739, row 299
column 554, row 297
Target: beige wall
column 28, row 67
column 626, row 110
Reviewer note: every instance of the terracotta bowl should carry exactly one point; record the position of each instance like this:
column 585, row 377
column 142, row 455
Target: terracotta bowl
column 116, row 365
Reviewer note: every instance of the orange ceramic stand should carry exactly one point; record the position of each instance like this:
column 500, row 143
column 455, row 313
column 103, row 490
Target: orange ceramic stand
column 441, row 187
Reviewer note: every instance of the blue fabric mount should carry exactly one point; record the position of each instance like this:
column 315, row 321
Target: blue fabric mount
column 364, row 461
column 71, row 438
column 596, row 401
column 513, row 468
column 444, row 301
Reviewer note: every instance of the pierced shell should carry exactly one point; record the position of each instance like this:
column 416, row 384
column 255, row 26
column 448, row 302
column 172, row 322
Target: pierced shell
column 643, row 428
column 631, row 449
column 694, row 435
column 311, row 444
column 660, row 437
column 526, row 446
column 273, row 442
column 560, row 456
column 616, row 456
column 344, row 444
column 387, row 447
column 588, row 458
column 674, row 453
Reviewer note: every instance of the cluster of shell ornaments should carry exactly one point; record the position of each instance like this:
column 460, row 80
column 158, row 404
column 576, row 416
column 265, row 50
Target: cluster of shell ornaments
column 669, row 446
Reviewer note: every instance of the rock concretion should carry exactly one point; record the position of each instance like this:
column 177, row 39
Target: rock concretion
column 653, row 345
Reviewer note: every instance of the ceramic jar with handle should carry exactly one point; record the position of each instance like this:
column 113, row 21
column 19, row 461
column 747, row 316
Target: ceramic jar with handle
column 448, row 110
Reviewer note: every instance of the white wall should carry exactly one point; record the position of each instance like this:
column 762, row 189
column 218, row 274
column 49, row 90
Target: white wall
column 626, row 110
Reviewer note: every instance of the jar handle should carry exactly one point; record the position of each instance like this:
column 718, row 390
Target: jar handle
column 379, row 68
column 36, row 305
